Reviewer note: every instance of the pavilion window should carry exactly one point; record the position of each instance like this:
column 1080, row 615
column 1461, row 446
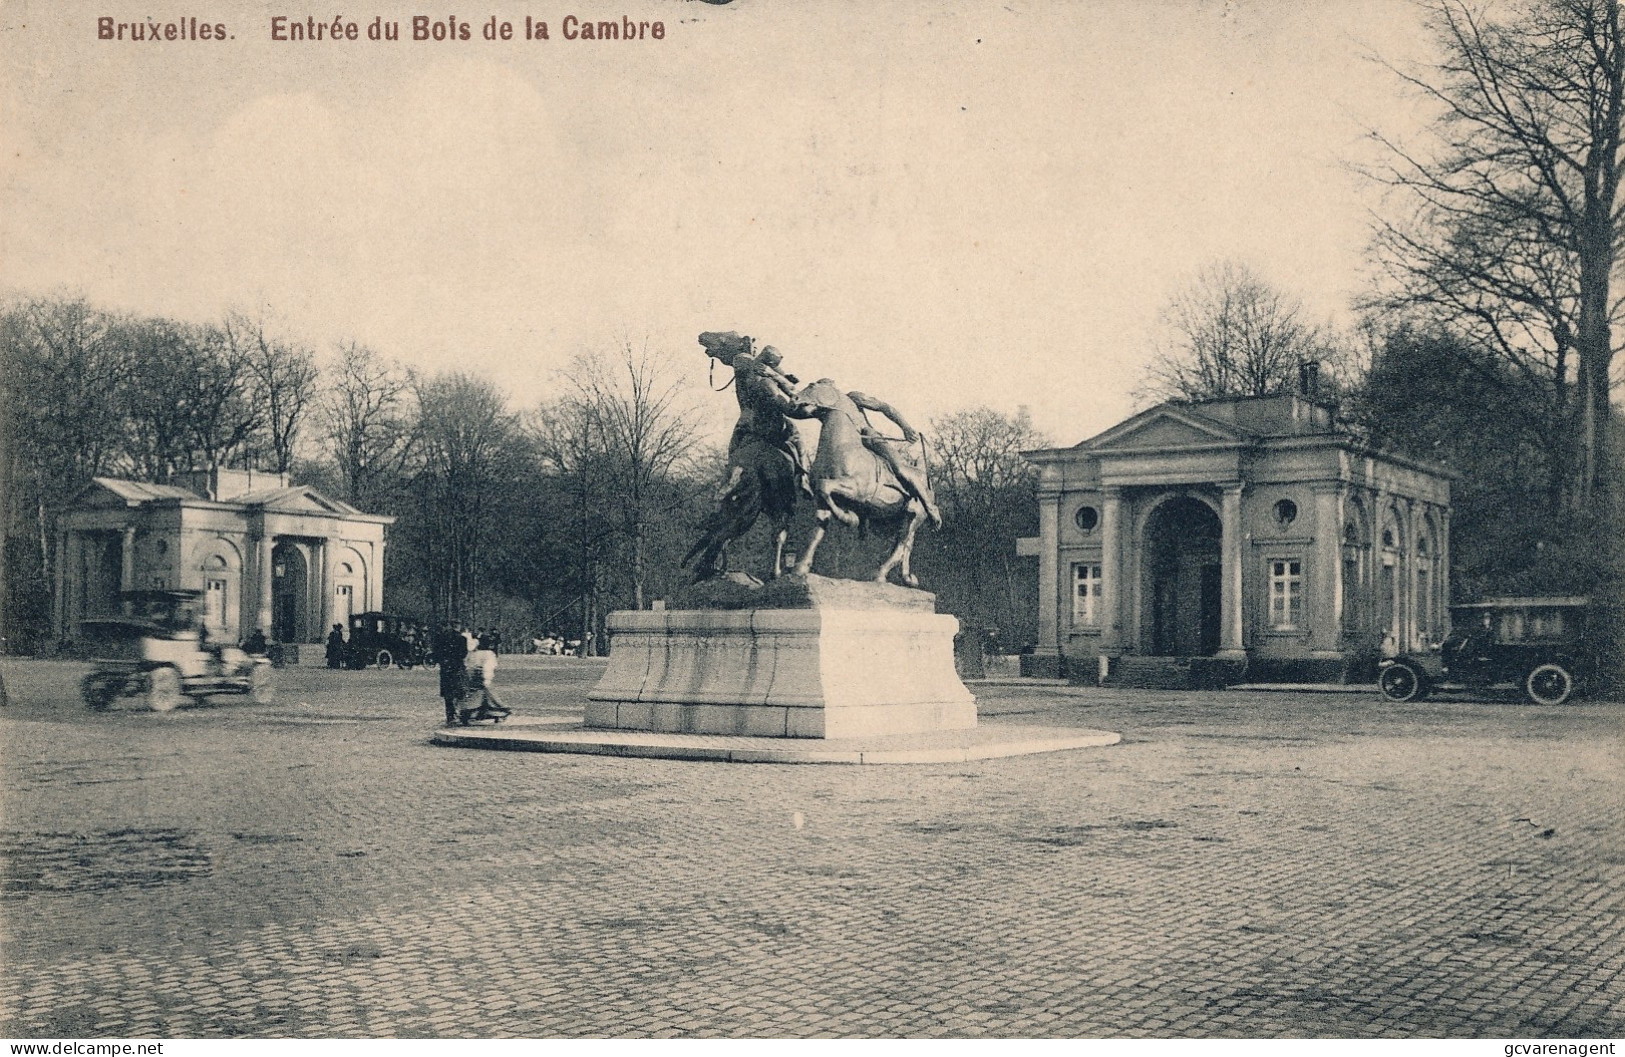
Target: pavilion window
column 1085, row 595
column 214, row 603
column 1286, row 595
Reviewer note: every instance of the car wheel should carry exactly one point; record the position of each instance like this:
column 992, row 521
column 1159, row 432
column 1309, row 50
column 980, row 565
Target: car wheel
column 163, row 689
column 98, row 691
column 384, row 660
column 1549, row 684
column 261, row 684
column 1400, row 682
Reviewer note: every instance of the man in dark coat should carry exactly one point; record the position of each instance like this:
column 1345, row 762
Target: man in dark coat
column 451, row 650
column 335, row 647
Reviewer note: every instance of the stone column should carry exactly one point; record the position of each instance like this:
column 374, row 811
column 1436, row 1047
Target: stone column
column 1326, row 573
column 375, row 579
column 1230, row 634
column 1407, row 578
column 327, row 585
column 60, row 601
column 76, row 580
column 1111, row 571
column 1049, row 562
column 1381, row 607
column 1441, row 607
column 126, row 572
column 263, row 620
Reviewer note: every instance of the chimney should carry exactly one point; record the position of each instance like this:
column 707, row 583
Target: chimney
column 1308, row 378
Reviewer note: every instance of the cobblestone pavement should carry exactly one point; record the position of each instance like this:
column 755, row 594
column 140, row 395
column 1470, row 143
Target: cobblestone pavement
column 1243, row 864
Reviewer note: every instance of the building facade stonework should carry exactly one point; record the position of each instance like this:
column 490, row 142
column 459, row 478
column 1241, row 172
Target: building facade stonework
column 1254, row 531
column 267, row 555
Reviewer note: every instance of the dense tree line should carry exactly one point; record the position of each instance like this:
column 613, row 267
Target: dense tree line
column 1502, row 225
column 534, row 519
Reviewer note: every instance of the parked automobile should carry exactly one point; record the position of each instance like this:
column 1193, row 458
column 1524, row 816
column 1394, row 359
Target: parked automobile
column 1549, row 649
column 155, row 652
column 387, row 639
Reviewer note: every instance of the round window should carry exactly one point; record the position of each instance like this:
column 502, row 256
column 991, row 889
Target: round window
column 1087, row 518
column 1286, row 512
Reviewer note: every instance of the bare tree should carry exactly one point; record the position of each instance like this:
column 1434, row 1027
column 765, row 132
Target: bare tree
column 573, row 460
column 366, row 413
column 218, row 395
column 154, row 401
column 61, row 373
column 188, row 401
column 284, row 384
column 639, row 418
column 1507, row 223
column 1231, row 334
column 988, row 496
column 470, row 448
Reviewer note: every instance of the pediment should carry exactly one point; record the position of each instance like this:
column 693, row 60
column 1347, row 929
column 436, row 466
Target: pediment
column 106, row 492
column 99, row 496
column 298, row 500
column 1163, row 427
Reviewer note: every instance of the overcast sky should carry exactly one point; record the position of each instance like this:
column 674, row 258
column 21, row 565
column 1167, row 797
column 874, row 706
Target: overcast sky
column 942, row 204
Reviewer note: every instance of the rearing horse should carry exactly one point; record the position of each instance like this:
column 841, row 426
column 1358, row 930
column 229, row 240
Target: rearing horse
column 762, row 481
column 853, row 484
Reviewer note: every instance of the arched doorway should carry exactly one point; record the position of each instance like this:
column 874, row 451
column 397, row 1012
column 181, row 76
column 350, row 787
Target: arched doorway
column 1180, row 579
column 290, row 591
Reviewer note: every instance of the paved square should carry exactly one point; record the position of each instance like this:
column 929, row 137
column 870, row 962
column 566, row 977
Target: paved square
column 1242, row 864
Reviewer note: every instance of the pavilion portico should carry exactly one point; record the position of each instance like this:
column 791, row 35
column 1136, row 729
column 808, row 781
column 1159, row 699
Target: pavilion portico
column 266, row 554
column 1253, row 531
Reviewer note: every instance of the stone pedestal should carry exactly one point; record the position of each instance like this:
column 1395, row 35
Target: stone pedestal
column 829, row 659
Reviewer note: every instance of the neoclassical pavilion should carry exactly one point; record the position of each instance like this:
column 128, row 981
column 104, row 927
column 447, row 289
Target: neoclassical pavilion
column 1248, row 530
column 267, row 554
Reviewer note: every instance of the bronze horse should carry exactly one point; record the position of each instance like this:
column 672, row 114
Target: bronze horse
column 762, row 481
column 854, row 485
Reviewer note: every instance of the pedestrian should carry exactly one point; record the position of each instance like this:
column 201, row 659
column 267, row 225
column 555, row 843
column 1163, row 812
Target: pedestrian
column 451, row 650
column 482, row 672
column 255, row 644
column 335, row 647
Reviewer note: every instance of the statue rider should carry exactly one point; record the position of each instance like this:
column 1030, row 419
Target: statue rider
column 767, row 365
column 897, row 455
column 766, row 401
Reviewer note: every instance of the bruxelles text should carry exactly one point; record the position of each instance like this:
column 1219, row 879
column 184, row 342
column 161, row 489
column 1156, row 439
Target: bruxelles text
column 452, row 28
column 108, row 28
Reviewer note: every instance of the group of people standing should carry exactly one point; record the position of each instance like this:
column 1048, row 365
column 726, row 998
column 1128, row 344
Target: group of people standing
column 554, row 644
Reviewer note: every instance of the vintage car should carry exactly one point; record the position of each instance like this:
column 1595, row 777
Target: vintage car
column 1546, row 648
column 385, row 639
column 155, row 652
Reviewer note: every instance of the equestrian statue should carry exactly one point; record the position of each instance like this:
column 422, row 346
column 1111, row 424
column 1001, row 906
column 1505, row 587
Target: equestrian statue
column 859, row 476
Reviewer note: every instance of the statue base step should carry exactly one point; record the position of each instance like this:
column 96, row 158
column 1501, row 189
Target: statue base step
column 785, row 673
column 986, row 742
